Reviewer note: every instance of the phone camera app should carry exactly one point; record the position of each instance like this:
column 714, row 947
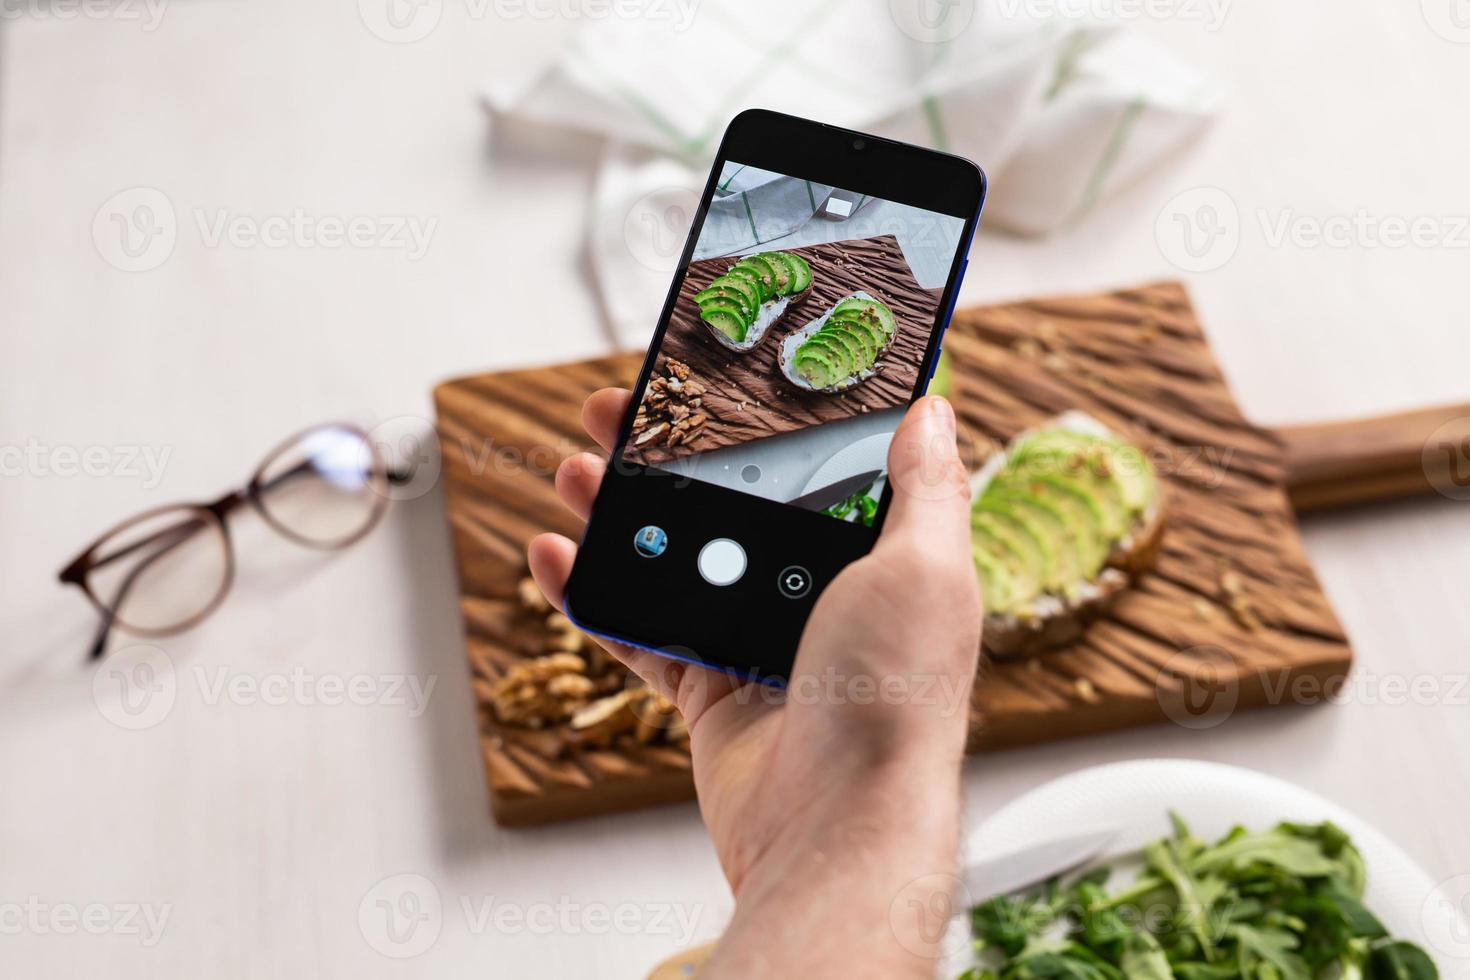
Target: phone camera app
column 650, row 541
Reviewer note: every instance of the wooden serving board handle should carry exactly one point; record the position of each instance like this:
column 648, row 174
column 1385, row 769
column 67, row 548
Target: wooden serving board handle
column 1337, row 463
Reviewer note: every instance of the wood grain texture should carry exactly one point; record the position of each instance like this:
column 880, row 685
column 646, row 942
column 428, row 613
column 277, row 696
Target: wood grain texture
column 747, row 397
column 1231, row 615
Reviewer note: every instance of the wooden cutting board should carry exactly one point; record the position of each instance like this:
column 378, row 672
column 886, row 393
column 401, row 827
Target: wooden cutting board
column 1232, row 612
column 746, row 394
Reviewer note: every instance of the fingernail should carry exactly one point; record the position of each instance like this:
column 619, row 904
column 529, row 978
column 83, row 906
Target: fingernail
column 940, row 410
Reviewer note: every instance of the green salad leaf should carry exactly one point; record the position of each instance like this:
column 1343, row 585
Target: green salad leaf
column 1279, row 904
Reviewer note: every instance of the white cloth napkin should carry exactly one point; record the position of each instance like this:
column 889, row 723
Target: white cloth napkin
column 1060, row 110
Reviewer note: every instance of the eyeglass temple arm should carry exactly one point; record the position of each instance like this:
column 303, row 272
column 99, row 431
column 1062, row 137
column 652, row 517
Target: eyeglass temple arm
column 182, row 533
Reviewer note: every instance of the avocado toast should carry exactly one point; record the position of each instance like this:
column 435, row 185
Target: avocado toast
column 1060, row 523
column 841, row 347
column 758, row 291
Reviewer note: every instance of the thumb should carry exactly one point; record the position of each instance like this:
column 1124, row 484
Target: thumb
column 931, row 489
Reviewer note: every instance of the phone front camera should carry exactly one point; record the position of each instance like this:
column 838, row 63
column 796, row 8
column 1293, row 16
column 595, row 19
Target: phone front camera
column 858, row 144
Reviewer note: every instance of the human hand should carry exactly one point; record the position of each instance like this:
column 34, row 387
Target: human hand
column 856, row 767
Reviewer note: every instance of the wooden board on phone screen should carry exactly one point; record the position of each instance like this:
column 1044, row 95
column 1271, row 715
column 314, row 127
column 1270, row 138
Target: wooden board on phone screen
column 1231, row 617
column 746, row 397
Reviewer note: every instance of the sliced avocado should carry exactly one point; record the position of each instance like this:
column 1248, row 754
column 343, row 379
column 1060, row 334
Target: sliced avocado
column 746, row 290
column 802, row 272
column 1046, row 522
column 751, row 278
column 784, row 271
column 848, row 342
column 840, row 354
column 1020, row 557
column 816, row 365
column 1079, row 508
column 1041, row 548
column 993, row 583
column 727, row 323
column 764, row 273
column 855, row 331
column 727, row 304
column 1076, row 458
column 869, row 308
column 1134, row 474
column 876, row 338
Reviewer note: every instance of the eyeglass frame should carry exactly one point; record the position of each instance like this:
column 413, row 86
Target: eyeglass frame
column 77, row 571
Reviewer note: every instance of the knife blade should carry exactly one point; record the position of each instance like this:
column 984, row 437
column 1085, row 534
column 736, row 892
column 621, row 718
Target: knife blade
column 1016, row 870
column 833, row 493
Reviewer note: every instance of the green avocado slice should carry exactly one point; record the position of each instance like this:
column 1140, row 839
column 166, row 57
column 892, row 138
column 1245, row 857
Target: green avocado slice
column 814, row 364
column 856, row 332
column 801, row 270
column 856, row 363
column 1040, row 548
column 993, row 583
column 733, row 286
column 1082, row 459
column 1047, row 523
column 784, row 271
column 867, row 308
column 1013, row 551
column 763, row 272
column 727, row 323
column 876, row 341
column 1079, row 508
column 838, row 353
column 751, row 278
column 727, row 304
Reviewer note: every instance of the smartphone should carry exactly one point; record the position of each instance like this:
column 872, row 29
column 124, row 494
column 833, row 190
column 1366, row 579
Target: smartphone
column 805, row 316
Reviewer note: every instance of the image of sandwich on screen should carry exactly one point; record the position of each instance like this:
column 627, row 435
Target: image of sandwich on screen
column 796, row 342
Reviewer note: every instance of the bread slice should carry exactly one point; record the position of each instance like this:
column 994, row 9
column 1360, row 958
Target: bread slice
column 1053, row 617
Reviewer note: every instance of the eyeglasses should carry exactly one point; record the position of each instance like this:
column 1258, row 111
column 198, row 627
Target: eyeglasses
column 163, row 571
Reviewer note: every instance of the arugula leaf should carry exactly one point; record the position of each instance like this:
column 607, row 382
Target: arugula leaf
column 1400, row 961
column 1281, row 904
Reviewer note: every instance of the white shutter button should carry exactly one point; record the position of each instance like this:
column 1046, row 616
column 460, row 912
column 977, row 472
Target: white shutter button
column 721, row 562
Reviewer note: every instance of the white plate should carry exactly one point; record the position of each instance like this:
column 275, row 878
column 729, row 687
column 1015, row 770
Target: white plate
column 1136, row 797
column 867, row 453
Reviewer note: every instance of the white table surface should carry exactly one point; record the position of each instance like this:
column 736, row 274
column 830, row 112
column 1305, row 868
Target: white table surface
column 261, row 828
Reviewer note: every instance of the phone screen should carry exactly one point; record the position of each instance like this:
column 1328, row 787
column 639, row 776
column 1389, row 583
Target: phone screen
column 798, row 337
column 804, row 319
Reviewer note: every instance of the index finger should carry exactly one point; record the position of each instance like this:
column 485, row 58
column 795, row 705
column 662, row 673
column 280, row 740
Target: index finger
column 602, row 415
